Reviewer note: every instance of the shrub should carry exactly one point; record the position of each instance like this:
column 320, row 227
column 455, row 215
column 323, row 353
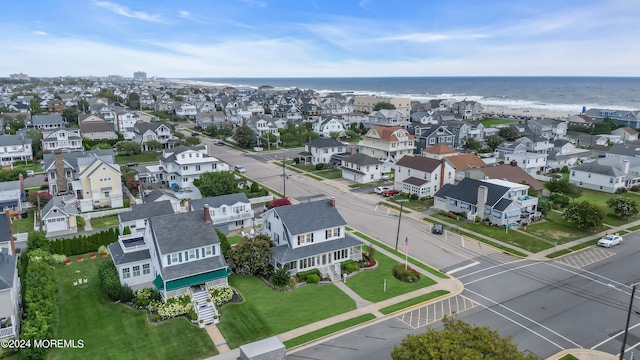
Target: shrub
column 349, row 266
column 126, row 294
column 103, row 249
column 126, row 231
column 560, row 200
column 175, row 306
column 313, row 279
column 621, row 190
column 414, row 196
column 57, row 259
column 221, row 294
column 80, row 221
column 635, row 188
column 192, row 315
column 320, row 166
column 109, row 280
column 155, row 317
column 280, row 278
column 304, row 274
column 565, row 169
column 405, row 274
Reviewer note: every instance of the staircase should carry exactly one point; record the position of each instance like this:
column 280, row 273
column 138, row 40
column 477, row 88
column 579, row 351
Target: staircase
column 334, row 272
column 205, row 309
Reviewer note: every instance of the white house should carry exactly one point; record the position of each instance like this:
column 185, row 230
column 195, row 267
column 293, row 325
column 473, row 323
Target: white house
column 136, row 219
column 326, row 126
column 58, row 217
column 179, row 166
column 361, row 168
column 65, row 139
column 161, row 132
column 14, row 148
column 186, row 110
column 606, row 174
column 10, row 298
column 422, row 176
column 228, row 212
column 321, row 150
column 308, row 236
column 387, row 143
column 125, row 124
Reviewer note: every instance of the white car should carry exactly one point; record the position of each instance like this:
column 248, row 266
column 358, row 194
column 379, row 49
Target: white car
column 240, row 169
column 381, row 189
column 610, row 240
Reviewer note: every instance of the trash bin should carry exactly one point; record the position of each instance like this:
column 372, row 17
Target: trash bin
column 24, row 215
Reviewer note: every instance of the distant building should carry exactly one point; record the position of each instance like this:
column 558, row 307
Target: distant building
column 20, row 76
column 139, row 75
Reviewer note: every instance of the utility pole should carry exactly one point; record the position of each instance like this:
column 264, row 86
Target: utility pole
column 284, row 179
column 626, row 328
column 399, row 218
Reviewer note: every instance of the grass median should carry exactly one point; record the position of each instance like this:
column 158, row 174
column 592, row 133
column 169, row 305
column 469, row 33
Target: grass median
column 303, row 339
column 416, row 300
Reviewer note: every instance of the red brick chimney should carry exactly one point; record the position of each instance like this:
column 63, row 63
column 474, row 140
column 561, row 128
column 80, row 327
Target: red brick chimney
column 21, row 178
column 332, row 202
column 207, row 215
column 442, row 173
column 189, row 205
column 11, row 242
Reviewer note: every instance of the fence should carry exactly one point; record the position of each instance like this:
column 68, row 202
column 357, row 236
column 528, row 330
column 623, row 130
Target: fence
column 261, row 199
column 103, row 213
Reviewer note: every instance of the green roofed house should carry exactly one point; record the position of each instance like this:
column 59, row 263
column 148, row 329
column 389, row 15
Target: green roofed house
column 177, row 254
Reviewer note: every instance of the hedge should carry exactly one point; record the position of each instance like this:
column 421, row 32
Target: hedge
column 304, row 274
column 84, row 244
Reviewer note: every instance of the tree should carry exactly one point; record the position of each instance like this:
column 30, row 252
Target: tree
column 383, row 105
column 154, row 145
column 38, row 240
column 134, row 101
column 70, row 115
column 508, row 133
column 458, row 340
column 242, row 136
column 83, row 105
column 192, row 141
column 531, row 191
column 623, row 207
column 564, row 187
column 251, row 256
column 36, row 143
column 585, row 215
column 351, row 134
column 473, row 144
column 493, row 141
column 224, row 243
column 216, row 184
column 35, row 107
column 279, row 202
column 44, row 198
column 334, row 135
column 128, row 147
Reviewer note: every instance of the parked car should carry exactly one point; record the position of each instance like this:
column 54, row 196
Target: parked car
column 218, row 142
column 131, row 164
column 389, row 193
column 31, row 173
column 610, row 240
column 381, row 189
column 194, row 134
column 437, row 229
column 240, row 168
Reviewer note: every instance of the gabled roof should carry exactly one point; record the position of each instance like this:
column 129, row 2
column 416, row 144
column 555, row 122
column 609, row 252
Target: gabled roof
column 602, row 166
column 361, row 159
column 55, row 202
column 75, row 158
column 439, row 148
column 307, row 217
column 421, row 163
column 96, row 126
column 146, row 210
column 625, row 149
column 7, row 269
column 177, row 232
column 218, row 201
column 143, row 127
column 46, row 119
column 5, row 230
column 284, row 254
column 511, row 173
column 180, row 149
column 388, row 133
column 465, row 161
column 467, row 191
column 156, row 194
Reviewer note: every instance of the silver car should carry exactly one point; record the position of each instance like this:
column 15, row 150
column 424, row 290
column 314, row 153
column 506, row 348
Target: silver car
column 610, row 240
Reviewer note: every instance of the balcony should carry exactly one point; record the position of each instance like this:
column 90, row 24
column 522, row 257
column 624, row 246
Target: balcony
column 527, row 201
column 7, row 328
column 242, row 215
column 132, row 242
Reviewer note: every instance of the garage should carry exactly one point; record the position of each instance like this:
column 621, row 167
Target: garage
column 56, row 224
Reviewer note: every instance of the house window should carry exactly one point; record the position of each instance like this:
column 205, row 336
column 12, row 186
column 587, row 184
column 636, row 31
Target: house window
column 305, row 238
column 197, row 167
column 589, row 176
column 331, row 233
column 573, row 173
column 146, row 269
column 207, row 251
column 106, row 194
column 185, row 168
column 126, row 273
column 192, row 254
column 268, row 225
column 136, row 270
column 174, row 258
column 432, row 140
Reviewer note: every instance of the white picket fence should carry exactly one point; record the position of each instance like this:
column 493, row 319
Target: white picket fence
column 261, row 199
column 103, row 213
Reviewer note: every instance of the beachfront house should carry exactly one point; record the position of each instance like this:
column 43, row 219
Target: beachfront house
column 421, row 175
column 606, row 174
column 387, row 143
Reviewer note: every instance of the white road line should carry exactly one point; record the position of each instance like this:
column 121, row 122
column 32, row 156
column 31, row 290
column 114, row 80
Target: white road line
column 594, row 275
column 613, row 337
column 630, row 348
column 463, row 267
column 525, row 317
column 498, row 273
column 491, row 267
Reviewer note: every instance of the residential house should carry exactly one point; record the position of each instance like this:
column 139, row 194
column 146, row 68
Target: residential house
column 227, row 212
column 431, row 135
column 536, row 144
column 438, row 151
column 12, row 195
column 137, row 218
column 627, row 133
column 387, row 143
column 261, row 126
column 57, row 217
column 591, row 140
column 65, row 139
column 98, row 130
column 287, row 111
column 442, row 116
column 463, row 131
column 468, row 110
column 510, row 147
column 125, row 124
column 552, row 129
column 564, row 153
column 310, row 236
column 606, row 174
column 159, row 131
column 311, row 111
column 185, row 110
column 179, row 166
column 421, row 175
column 15, row 148
column 10, row 296
column 506, row 172
column 327, row 125
column 367, row 103
column 498, row 202
column 625, row 117
column 321, row 150
column 55, row 106
column 91, row 179
column 624, row 151
column 45, row 122
column 361, row 168
column 528, row 161
column 462, row 163
column 387, row 117
column 205, row 119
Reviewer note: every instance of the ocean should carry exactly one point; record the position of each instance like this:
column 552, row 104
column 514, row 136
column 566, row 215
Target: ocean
column 559, row 94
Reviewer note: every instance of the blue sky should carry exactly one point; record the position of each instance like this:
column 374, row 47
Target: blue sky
column 299, row 38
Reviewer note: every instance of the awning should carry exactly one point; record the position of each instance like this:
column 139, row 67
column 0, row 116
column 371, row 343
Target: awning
column 197, row 279
column 452, row 202
column 465, row 206
column 158, row 283
column 496, row 213
column 513, row 213
column 487, row 211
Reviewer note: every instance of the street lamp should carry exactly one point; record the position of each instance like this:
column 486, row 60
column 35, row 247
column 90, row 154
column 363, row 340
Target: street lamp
column 399, row 218
column 626, row 328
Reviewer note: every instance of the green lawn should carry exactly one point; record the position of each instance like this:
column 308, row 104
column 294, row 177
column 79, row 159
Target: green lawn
column 443, row 218
column 23, row 225
column 568, row 357
column 330, row 174
column 599, row 199
column 494, row 244
column 517, row 238
column 150, row 156
column 491, row 122
column 266, row 312
column 104, row 222
column 328, row 330
column 115, row 331
column 370, row 284
column 556, row 229
column 234, row 239
column 417, row 205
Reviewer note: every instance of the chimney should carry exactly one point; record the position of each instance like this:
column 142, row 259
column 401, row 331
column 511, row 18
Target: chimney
column 442, row 172
column 353, row 150
column 207, row 215
column 189, row 205
column 21, row 178
column 483, row 193
column 625, row 167
column 332, row 202
column 12, row 244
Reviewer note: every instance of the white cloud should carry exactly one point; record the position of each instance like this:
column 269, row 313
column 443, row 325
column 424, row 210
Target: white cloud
column 432, row 37
column 254, row 3
column 40, row 33
column 125, row 11
column 184, row 14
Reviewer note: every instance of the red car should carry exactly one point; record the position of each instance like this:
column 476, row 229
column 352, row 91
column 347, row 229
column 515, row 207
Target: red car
column 389, row 193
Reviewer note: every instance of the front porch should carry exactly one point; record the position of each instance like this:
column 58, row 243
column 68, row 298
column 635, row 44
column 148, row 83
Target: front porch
column 204, row 305
column 327, row 263
column 7, row 327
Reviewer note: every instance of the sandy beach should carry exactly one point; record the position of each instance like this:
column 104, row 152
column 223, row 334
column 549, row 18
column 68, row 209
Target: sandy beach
column 554, row 114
